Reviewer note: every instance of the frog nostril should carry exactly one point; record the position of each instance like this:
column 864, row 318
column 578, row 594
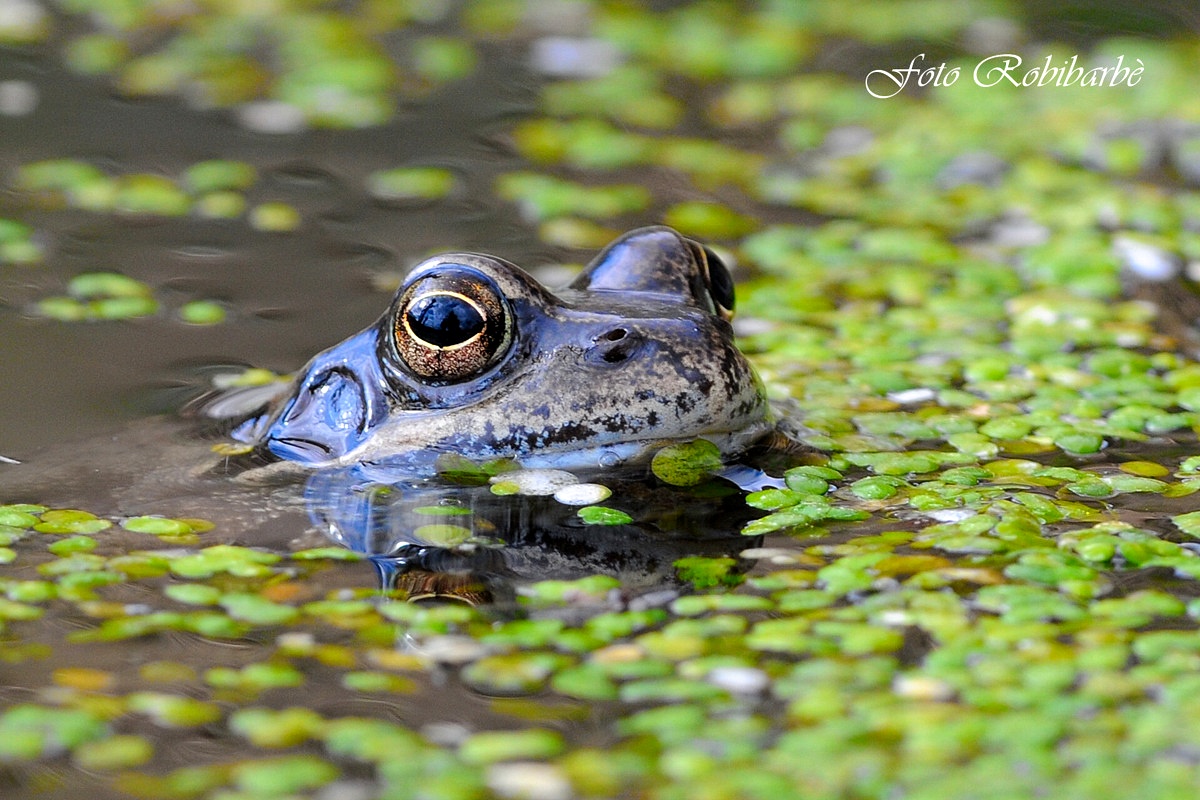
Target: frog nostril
column 614, row 346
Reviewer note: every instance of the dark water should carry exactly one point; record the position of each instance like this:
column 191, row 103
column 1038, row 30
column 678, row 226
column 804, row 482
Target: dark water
column 291, row 294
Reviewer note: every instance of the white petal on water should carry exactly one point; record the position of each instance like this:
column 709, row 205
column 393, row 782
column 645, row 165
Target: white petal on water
column 450, row 649
column 949, row 514
column 537, row 481
column 17, row 98
column 910, row 397
column 528, row 780
column 568, row 57
column 271, row 116
column 582, row 494
column 739, row 680
column 1144, row 259
column 21, row 19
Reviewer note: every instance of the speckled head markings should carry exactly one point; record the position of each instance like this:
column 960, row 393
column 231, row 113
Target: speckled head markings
column 477, row 358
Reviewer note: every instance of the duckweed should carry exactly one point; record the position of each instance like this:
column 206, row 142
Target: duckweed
column 706, row 573
column 255, row 609
column 282, row 776
column 602, row 515
column 231, row 559
column 708, row 220
column 542, row 197
column 205, row 177
column 442, row 59
column 202, row 312
column 274, row 217
column 158, row 526
column 276, row 729
column 115, row 752
column 101, row 296
column 32, row 732
column 491, row 746
column 68, row 521
column 17, row 245
column 991, row 566
column 172, row 711
column 150, row 194
column 686, row 464
column 411, row 183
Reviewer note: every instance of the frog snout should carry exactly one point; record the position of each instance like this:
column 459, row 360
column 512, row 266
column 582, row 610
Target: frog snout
column 327, row 418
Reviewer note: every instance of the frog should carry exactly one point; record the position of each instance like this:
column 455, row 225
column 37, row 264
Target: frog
column 476, row 358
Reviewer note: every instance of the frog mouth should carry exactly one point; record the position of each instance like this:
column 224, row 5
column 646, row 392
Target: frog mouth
column 295, row 449
column 327, row 418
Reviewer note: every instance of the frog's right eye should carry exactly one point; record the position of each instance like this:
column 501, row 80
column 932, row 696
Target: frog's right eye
column 450, row 325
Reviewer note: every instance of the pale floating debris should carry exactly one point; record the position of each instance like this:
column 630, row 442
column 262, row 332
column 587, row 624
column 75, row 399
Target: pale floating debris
column 659, row 599
column 446, row 733
column 847, row 140
column 987, row 35
column 451, row 649
column 921, row 687
column 909, row 397
column 582, row 494
column 752, row 326
column 749, row 479
column 739, row 680
column 777, row 556
column 17, row 98
column 1016, row 232
column 1146, row 260
column 621, row 653
column 561, row 17
column 535, row 481
column 570, row 57
column 348, row 790
column 758, row 553
column 528, row 780
column 949, row 514
column 271, row 116
column 21, row 20
column 296, row 641
column 896, row 618
column 975, row 167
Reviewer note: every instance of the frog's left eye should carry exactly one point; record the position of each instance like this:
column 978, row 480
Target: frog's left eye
column 720, row 282
column 450, row 326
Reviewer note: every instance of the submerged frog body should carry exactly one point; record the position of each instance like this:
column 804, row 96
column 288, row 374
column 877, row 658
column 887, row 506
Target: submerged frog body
column 476, row 358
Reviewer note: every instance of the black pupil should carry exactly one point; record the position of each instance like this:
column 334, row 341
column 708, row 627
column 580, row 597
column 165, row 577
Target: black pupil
column 444, row 320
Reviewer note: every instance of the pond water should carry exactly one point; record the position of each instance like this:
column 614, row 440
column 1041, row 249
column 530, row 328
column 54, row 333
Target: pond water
column 978, row 578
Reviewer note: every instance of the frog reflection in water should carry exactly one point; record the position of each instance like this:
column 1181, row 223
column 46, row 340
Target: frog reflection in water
column 475, row 357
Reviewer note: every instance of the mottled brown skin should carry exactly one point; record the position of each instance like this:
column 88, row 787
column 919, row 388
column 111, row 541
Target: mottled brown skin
column 636, row 351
